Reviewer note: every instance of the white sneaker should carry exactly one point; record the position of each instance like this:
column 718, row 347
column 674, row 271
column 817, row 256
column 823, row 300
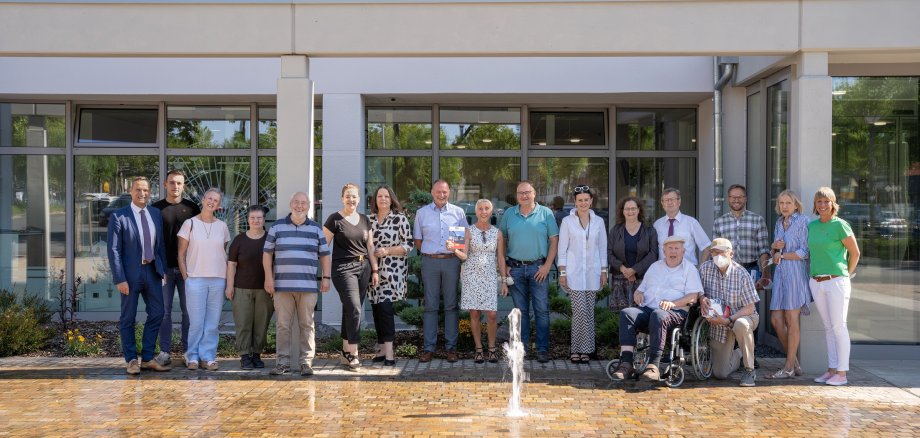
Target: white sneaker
column 823, row 378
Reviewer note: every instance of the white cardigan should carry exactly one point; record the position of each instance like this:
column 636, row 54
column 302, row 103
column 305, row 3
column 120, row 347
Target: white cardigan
column 583, row 252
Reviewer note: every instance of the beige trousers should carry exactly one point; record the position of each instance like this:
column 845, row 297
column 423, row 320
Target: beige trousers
column 288, row 304
column 724, row 360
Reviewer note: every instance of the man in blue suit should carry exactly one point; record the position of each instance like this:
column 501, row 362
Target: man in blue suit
column 137, row 257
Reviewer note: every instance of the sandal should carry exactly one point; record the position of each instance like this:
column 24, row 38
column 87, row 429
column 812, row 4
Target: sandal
column 585, row 358
column 575, row 358
column 493, row 355
column 781, row 374
column 478, row 357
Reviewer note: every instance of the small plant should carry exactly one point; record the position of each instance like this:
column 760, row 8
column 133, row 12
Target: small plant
column 333, row 344
column 226, row 346
column 139, row 339
column 77, row 345
column 368, row 340
column 561, row 327
column 21, row 326
column 68, row 299
column 406, row 350
column 413, row 315
column 271, row 338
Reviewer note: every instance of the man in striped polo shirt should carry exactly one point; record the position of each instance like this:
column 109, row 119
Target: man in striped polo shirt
column 297, row 266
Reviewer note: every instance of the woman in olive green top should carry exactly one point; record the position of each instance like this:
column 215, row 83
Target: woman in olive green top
column 834, row 255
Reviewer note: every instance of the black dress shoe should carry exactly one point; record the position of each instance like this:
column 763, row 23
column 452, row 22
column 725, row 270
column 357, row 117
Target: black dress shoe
column 246, row 362
column 257, row 361
column 389, row 363
column 379, row 359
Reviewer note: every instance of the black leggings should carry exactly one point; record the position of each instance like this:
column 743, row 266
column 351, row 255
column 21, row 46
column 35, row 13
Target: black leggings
column 350, row 280
column 383, row 321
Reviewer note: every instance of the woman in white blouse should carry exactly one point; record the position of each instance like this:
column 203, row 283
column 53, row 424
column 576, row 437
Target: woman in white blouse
column 582, row 268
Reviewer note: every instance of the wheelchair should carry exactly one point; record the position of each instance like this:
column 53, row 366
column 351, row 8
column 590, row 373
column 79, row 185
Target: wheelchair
column 690, row 339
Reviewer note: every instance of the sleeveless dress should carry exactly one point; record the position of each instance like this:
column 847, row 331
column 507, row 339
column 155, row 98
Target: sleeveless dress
column 479, row 273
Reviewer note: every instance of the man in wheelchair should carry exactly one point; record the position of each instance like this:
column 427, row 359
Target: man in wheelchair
column 729, row 303
column 668, row 290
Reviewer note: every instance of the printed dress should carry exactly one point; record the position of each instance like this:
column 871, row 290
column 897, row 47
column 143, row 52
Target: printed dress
column 394, row 231
column 479, row 273
column 790, row 277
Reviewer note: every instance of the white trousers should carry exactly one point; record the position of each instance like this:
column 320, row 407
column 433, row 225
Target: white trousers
column 832, row 298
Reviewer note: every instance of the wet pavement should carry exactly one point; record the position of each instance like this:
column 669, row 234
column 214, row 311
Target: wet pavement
column 81, row 397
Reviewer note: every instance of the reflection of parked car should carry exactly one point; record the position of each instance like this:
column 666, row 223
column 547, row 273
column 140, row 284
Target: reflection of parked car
column 116, row 203
column 888, row 224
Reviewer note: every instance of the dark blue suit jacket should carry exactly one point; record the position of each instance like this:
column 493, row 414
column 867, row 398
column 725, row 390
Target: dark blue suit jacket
column 125, row 245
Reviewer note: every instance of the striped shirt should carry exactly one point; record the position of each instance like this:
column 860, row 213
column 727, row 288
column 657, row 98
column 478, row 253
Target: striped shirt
column 748, row 234
column 735, row 288
column 297, row 249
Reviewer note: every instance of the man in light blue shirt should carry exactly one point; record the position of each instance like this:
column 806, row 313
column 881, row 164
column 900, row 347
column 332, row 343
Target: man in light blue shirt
column 440, row 268
column 532, row 238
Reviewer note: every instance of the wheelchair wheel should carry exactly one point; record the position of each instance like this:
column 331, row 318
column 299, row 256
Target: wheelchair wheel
column 640, row 353
column 612, row 368
column 700, row 352
column 675, row 376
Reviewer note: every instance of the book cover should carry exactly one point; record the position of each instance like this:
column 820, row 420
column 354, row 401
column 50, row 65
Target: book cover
column 458, row 236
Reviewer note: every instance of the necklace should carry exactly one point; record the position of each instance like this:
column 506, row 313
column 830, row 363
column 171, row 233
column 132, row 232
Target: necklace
column 207, row 228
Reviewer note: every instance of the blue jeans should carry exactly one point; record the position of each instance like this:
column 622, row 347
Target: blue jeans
column 173, row 281
column 527, row 290
column 146, row 285
column 440, row 276
column 205, row 298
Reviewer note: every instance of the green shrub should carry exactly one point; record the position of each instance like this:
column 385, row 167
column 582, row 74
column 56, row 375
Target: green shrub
column 368, row 340
column 271, row 338
column 406, row 350
column 603, row 293
column 226, row 346
column 413, row 315
column 607, row 329
column 561, row 305
column 139, row 339
column 21, row 327
column 398, row 306
column 333, row 344
column 561, row 327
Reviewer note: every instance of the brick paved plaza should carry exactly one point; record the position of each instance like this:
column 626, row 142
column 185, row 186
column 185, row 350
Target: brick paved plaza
column 93, row 397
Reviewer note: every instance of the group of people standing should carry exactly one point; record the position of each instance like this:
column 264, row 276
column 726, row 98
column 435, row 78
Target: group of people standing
column 176, row 245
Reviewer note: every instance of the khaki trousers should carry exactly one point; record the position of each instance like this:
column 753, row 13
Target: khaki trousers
column 724, row 360
column 288, row 304
column 252, row 311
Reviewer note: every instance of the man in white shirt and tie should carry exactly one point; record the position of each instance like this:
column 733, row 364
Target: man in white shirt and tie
column 675, row 223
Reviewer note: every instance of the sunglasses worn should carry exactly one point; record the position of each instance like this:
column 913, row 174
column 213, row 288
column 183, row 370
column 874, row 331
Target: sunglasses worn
column 582, row 189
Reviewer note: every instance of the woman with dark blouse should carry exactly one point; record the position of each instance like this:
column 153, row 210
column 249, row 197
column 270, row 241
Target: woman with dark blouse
column 632, row 247
column 252, row 306
column 354, row 266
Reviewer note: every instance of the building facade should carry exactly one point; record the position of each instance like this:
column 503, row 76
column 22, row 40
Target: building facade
column 264, row 98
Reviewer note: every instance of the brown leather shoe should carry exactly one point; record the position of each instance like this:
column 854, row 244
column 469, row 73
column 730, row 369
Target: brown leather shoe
column 651, row 374
column 426, row 356
column 133, row 367
column 452, row 356
column 623, row 372
column 153, row 365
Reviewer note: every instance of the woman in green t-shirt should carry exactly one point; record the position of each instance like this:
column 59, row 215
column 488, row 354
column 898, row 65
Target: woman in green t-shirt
column 834, row 255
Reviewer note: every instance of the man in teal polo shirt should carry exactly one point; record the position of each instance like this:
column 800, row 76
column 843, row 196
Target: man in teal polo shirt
column 531, row 237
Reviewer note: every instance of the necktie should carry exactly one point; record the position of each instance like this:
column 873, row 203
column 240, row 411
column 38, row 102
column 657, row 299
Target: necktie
column 670, row 227
column 148, row 248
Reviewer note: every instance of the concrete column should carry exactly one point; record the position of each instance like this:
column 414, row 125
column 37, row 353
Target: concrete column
column 810, row 168
column 295, row 142
column 343, row 154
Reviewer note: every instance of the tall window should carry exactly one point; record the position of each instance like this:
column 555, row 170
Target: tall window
column 777, row 144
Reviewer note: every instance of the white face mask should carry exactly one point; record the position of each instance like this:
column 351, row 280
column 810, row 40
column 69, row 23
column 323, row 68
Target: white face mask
column 721, row 261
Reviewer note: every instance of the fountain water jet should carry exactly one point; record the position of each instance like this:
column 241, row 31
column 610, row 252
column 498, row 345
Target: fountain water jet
column 514, row 351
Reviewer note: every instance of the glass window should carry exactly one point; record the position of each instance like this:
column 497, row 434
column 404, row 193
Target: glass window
column 32, row 244
column 102, row 181
column 406, row 175
column 118, row 125
column 228, row 174
column 656, row 129
column 32, row 124
column 268, row 127
column 777, row 145
column 206, row 127
column 555, row 178
column 568, row 128
column 876, row 176
column 268, row 186
column 475, row 178
column 646, row 178
column 756, row 171
column 399, row 128
column 473, row 128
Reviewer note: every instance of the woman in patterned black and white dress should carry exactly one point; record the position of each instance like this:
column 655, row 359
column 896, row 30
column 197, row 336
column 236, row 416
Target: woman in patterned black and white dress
column 483, row 258
column 393, row 238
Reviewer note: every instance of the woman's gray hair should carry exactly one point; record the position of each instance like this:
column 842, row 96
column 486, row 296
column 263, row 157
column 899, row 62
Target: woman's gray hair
column 484, row 201
column 213, row 190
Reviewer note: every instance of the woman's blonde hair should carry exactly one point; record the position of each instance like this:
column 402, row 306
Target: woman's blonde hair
column 826, row 193
column 348, row 186
column 799, row 207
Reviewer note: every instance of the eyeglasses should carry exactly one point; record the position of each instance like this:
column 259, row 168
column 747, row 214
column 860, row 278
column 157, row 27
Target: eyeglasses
column 582, row 189
column 528, row 192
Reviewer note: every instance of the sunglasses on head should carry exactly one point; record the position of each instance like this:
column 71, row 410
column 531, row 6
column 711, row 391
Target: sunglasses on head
column 582, row 189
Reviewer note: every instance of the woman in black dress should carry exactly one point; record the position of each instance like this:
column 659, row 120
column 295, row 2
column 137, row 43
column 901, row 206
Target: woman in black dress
column 632, row 247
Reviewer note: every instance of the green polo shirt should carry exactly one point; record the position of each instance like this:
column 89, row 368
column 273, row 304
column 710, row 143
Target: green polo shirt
column 528, row 236
column 826, row 252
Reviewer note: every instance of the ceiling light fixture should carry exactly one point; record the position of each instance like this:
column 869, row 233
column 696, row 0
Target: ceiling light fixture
column 487, row 140
column 575, row 140
column 839, row 92
column 880, row 123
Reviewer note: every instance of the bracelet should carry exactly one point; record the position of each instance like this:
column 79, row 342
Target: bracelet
column 374, row 271
column 326, row 277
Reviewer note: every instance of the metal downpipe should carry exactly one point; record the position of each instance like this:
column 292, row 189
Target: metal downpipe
column 720, row 81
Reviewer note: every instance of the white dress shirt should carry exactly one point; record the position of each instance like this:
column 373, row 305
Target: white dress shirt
column 664, row 283
column 140, row 228
column 687, row 227
column 583, row 252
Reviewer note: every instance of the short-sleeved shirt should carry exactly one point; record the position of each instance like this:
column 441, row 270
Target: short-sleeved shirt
column 664, row 283
column 825, row 246
column 246, row 252
column 528, row 236
column 734, row 288
column 174, row 215
column 748, row 234
column 432, row 226
column 687, row 226
column 205, row 256
column 348, row 241
column 297, row 249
